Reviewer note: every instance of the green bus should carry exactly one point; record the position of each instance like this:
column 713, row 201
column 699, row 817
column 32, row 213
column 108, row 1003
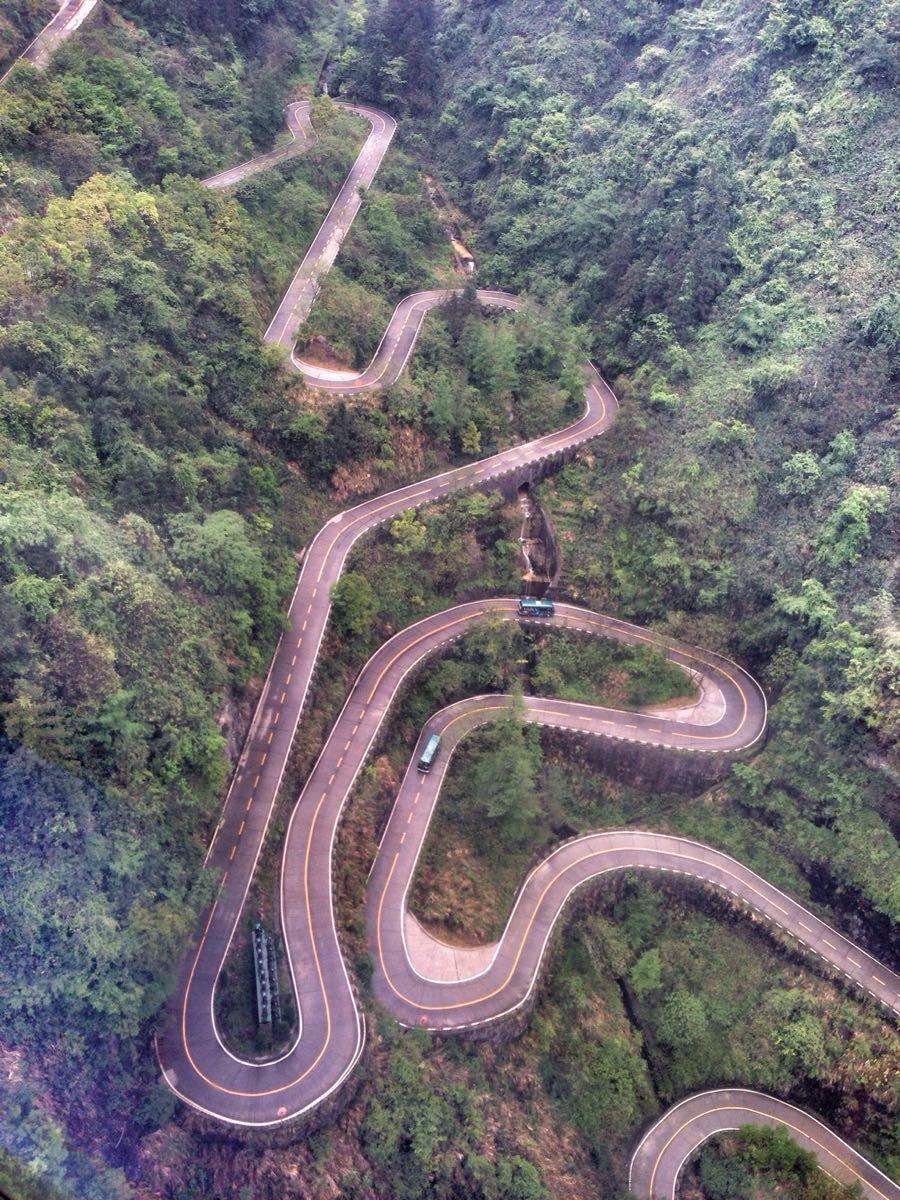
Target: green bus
column 431, row 749
column 529, row 607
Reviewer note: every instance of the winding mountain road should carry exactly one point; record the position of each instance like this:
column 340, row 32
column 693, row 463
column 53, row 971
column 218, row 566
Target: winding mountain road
column 195, row 1062
column 667, row 1145
column 297, row 116
column 71, row 16
column 507, row 977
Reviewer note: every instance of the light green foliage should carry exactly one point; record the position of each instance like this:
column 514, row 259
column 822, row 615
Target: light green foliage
column 354, row 604
column 646, row 974
column 802, row 473
column 848, row 529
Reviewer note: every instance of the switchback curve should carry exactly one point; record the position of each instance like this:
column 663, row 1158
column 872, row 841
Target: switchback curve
column 669, row 1143
column 506, row 980
column 654, row 1171
column 297, row 116
column 195, row 1063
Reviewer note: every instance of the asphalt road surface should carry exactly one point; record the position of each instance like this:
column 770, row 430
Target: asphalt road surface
column 302, row 137
column 664, row 1149
column 397, row 342
column 303, row 289
column 195, row 1062
column 70, row 17
column 507, row 981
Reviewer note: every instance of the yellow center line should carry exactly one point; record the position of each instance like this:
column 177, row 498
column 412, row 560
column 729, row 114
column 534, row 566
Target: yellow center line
column 532, row 918
column 769, row 1116
column 241, row 829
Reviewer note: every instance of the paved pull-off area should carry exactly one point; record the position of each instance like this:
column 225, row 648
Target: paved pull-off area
column 485, row 985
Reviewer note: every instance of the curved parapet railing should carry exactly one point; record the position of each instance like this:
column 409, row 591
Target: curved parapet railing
column 505, row 981
column 195, row 1062
column 666, row 1147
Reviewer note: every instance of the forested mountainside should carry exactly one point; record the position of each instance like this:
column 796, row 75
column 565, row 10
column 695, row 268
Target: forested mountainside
column 709, row 189
column 700, row 196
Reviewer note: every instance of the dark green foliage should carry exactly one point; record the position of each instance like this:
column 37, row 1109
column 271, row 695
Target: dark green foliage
column 496, row 778
column 758, row 1157
column 422, row 1138
column 243, row 20
column 596, row 671
column 724, row 235
column 36, row 1163
column 395, row 60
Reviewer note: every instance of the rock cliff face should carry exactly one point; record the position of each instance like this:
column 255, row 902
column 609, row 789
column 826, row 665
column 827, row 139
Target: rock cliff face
column 539, row 548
